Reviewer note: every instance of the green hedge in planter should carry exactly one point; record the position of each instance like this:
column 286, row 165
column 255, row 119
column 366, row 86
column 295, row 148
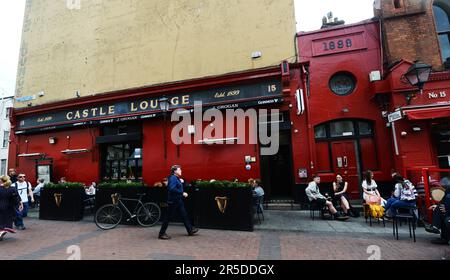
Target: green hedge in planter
column 68, row 185
column 120, row 185
column 221, row 184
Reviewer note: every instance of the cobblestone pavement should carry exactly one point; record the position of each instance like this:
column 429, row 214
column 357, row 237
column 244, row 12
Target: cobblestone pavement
column 283, row 235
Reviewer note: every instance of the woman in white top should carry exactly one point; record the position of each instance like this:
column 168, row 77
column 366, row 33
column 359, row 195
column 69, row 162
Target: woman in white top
column 371, row 194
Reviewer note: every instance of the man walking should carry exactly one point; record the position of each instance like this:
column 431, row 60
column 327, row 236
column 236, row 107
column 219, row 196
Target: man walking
column 175, row 202
column 24, row 189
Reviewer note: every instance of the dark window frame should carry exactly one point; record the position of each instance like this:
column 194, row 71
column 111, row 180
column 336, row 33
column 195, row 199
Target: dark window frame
column 357, row 137
column 347, row 74
column 440, row 33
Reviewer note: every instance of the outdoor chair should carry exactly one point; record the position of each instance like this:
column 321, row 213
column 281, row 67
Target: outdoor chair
column 313, row 207
column 408, row 214
column 90, row 203
column 259, row 208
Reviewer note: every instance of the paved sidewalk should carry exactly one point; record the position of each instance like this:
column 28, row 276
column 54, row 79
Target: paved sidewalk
column 283, row 235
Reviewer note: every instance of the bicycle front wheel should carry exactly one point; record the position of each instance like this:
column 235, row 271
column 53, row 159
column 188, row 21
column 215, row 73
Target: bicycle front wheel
column 108, row 216
column 148, row 214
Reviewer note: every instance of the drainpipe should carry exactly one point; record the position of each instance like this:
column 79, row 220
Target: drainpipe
column 311, row 143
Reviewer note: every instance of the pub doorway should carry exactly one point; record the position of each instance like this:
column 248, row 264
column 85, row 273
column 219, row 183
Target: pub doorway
column 276, row 170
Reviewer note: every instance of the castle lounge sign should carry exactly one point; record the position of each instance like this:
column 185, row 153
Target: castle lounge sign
column 150, row 107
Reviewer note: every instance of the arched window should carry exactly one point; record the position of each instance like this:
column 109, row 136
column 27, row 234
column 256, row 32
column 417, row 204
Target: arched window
column 441, row 12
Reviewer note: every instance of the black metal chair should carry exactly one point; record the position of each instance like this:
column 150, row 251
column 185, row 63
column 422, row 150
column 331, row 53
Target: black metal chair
column 89, row 202
column 408, row 214
column 260, row 208
column 313, row 207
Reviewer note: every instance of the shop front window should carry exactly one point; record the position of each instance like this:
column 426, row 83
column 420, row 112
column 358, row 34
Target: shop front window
column 123, row 162
column 121, row 146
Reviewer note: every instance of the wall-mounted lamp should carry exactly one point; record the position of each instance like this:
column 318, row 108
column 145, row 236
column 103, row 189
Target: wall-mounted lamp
column 345, row 110
column 404, row 133
column 52, row 140
column 416, row 128
column 417, row 75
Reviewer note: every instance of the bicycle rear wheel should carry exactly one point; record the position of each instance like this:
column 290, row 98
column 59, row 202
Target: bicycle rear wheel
column 108, row 216
column 148, row 214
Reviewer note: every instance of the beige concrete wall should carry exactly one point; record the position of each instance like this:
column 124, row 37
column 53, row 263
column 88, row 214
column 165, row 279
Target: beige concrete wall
column 108, row 45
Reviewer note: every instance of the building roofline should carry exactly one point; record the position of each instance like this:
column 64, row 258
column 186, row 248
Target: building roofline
column 343, row 26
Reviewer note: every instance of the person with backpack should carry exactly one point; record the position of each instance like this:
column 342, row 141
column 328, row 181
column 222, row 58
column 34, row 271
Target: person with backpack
column 405, row 195
column 24, row 189
column 9, row 200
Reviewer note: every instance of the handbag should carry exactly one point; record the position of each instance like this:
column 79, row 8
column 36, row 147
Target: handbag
column 373, row 199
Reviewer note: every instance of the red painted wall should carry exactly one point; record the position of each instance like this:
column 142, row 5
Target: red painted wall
column 416, row 149
column 76, row 168
column 360, row 57
column 220, row 162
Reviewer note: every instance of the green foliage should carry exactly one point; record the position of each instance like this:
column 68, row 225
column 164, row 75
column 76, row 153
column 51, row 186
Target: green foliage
column 221, row 184
column 68, row 185
column 123, row 184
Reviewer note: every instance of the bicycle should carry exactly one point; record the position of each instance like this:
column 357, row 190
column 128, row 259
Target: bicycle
column 110, row 215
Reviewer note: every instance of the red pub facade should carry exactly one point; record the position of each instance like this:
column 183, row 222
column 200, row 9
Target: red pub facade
column 334, row 104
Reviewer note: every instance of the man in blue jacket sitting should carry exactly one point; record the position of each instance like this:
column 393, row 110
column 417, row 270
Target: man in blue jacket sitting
column 175, row 202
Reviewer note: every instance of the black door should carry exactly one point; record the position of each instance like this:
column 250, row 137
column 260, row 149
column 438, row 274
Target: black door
column 276, row 170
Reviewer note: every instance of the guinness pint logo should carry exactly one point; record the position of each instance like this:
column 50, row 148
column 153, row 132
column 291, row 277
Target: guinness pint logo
column 58, row 199
column 222, row 203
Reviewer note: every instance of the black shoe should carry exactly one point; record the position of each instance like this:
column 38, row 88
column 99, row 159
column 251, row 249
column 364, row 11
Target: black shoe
column 164, row 237
column 432, row 229
column 193, row 232
column 439, row 241
column 339, row 217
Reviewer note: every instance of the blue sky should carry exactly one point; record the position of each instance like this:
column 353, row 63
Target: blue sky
column 309, row 15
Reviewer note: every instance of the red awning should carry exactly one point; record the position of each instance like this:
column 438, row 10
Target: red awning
column 427, row 113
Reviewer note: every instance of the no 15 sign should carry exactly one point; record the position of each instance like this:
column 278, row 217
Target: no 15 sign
column 435, row 95
column 338, row 44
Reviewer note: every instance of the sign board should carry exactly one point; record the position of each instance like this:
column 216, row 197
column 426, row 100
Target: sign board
column 397, row 115
column 303, row 173
column 26, row 98
column 229, row 97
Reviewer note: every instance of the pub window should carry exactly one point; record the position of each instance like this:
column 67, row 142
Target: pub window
column 397, row 4
column 342, row 128
column 123, row 162
column 342, row 83
column 365, row 128
column 441, row 12
column 121, row 146
column 320, row 132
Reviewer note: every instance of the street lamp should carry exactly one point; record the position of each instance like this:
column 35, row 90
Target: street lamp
column 418, row 74
column 164, row 106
